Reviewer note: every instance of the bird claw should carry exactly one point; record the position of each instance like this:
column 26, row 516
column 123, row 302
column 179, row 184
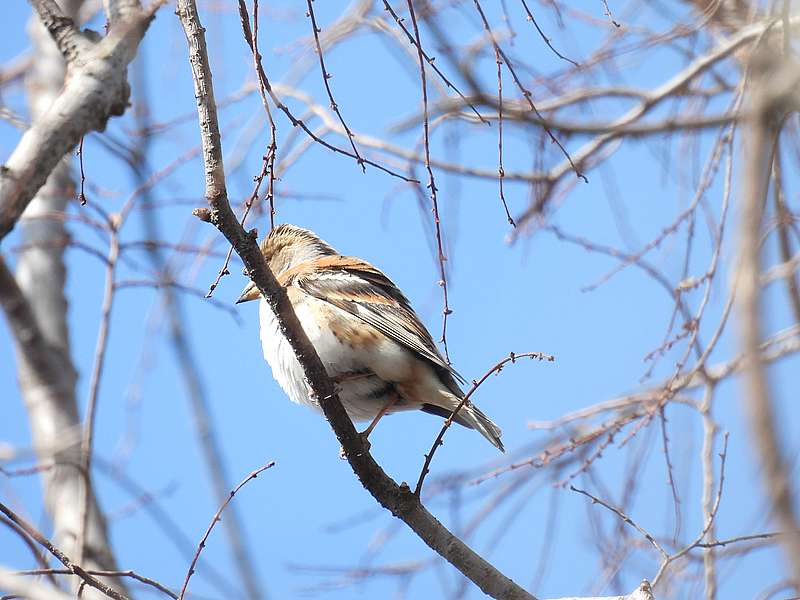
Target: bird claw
column 351, row 376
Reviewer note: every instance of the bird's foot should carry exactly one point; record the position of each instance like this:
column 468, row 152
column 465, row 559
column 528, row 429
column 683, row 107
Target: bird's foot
column 351, row 376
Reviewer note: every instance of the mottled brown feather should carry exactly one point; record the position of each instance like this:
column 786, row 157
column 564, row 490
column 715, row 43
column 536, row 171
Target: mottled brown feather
column 366, row 293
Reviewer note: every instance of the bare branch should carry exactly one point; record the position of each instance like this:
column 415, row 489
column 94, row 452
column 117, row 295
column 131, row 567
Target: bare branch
column 95, row 91
column 511, row 358
column 437, row 224
column 119, row 11
column 63, row 558
column 70, row 41
column 131, row 574
column 25, row 328
column 217, row 518
column 400, row 500
column 774, row 93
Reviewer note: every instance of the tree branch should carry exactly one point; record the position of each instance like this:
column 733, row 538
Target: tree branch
column 643, row 592
column 44, row 365
column 25, row 329
column 63, row 558
column 68, row 38
column 32, row 590
column 398, row 499
column 773, row 97
column 96, row 90
column 119, row 11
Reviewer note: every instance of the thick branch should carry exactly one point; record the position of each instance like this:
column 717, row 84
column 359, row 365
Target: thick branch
column 119, row 11
column 44, row 365
column 25, row 329
column 96, row 90
column 398, row 499
column 61, row 28
column 774, row 87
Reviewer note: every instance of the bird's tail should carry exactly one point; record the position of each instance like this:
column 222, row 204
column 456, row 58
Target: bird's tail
column 469, row 416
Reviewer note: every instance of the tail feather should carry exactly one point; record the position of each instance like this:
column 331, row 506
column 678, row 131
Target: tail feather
column 469, row 416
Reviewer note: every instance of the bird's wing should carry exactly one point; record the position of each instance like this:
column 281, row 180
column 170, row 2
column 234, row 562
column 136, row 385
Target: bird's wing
column 360, row 289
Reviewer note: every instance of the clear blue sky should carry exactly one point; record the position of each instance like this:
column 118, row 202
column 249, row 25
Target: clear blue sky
column 525, row 296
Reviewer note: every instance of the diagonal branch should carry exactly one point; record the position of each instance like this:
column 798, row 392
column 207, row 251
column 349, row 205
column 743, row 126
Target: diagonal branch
column 25, row 329
column 63, row 558
column 398, row 499
column 68, row 38
column 96, row 90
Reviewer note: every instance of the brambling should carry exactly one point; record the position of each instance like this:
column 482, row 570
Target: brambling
column 372, row 343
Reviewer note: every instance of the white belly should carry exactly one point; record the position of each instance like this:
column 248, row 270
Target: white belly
column 362, row 397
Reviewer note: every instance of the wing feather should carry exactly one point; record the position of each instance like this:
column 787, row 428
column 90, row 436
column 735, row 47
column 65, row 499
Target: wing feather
column 360, row 289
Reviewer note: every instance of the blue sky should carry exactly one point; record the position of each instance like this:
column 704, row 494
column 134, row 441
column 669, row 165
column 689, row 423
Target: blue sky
column 309, row 511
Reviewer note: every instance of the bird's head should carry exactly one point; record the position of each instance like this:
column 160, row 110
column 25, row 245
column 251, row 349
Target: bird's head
column 285, row 247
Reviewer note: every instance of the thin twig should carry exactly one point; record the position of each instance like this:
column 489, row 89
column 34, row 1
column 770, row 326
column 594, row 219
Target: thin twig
column 544, row 37
column 217, row 518
column 272, row 149
column 431, row 61
column 40, row 556
column 446, row 311
column 268, row 160
column 500, row 170
column 621, row 514
column 527, row 94
column 101, row 573
column 94, row 387
column 709, row 520
column 81, row 195
column 607, row 12
column 297, row 122
column 63, row 558
column 511, row 358
column 325, row 77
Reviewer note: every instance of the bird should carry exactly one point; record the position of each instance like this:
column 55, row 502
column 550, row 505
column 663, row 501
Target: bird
column 373, row 345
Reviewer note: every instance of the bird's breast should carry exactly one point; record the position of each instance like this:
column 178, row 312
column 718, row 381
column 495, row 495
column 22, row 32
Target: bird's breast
column 345, row 346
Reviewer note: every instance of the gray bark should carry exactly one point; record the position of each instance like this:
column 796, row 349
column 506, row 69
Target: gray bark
column 49, row 394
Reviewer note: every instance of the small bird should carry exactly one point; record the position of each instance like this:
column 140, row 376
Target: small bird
column 371, row 342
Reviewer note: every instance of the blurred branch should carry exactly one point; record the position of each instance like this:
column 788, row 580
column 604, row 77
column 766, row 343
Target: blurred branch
column 63, row 558
column 45, row 368
column 774, row 95
column 180, row 342
column 119, row 11
column 218, row 517
column 96, row 90
column 25, row 329
column 18, row 587
column 643, row 592
column 654, row 97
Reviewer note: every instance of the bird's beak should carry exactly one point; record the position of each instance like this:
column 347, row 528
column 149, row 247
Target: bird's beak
column 250, row 292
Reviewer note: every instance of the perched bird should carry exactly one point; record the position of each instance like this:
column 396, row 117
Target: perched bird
column 372, row 343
